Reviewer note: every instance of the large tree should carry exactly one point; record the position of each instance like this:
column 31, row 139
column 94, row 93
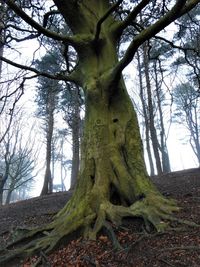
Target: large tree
column 113, row 182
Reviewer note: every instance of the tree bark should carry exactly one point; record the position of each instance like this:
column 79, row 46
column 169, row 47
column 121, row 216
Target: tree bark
column 75, row 125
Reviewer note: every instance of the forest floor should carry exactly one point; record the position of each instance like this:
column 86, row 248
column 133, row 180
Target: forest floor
column 175, row 248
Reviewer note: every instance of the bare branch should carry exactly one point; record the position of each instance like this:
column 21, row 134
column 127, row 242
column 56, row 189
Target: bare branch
column 47, row 15
column 132, row 16
column 177, row 10
column 37, row 26
column 105, row 16
column 173, row 45
column 188, row 6
column 58, row 76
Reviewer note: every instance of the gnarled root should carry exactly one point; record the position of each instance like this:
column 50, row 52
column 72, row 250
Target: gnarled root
column 153, row 208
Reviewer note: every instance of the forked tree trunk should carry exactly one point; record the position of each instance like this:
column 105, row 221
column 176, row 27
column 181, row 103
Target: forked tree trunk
column 113, row 181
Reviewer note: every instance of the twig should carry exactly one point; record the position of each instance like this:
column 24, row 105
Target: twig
column 180, row 248
column 45, row 258
column 91, row 261
column 115, row 242
column 167, row 262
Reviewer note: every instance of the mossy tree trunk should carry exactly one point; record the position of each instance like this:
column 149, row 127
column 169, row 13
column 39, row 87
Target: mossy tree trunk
column 113, row 182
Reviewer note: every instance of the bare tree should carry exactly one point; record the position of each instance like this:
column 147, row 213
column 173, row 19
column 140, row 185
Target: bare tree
column 18, row 159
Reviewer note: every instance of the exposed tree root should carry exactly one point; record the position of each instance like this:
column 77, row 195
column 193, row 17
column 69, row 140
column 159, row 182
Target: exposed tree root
column 153, row 208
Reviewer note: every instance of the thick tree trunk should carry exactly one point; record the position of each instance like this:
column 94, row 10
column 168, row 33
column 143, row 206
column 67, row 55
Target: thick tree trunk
column 113, row 182
column 112, row 153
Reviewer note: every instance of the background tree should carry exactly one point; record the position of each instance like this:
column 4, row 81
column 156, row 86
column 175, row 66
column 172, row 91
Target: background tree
column 113, row 182
column 47, row 99
column 187, row 38
column 71, row 103
column 18, row 160
column 151, row 109
column 187, row 113
column 152, row 95
column 2, row 27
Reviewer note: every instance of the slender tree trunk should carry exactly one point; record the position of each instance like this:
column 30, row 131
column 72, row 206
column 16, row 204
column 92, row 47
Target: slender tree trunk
column 146, row 121
column 75, row 139
column 8, row 197
column 1, row 193
column 193, row 125
column 2, row 26
column 47, row 185
column 4, row 176
column 61, row 166
column 154, row 138
column 52, row 165
column 163, row 146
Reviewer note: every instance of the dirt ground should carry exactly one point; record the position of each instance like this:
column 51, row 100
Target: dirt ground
column 139, row 248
